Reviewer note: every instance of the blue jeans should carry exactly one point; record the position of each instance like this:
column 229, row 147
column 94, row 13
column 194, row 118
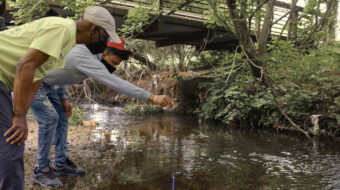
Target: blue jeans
column 53, row 125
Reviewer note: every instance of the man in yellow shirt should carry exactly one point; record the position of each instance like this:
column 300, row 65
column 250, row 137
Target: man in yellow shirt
column 27, row 53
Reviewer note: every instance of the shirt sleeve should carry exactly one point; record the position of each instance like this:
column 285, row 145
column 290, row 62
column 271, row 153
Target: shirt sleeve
column 92, row 67
column 64, row 76
column 62, row 91
column 50, row 40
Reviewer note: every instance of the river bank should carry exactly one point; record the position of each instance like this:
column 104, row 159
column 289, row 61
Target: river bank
column 310, row 109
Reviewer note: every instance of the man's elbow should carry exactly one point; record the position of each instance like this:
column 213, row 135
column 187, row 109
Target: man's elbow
column 22, row 67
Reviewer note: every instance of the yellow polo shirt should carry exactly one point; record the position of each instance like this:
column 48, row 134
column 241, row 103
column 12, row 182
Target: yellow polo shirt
column 54, row 36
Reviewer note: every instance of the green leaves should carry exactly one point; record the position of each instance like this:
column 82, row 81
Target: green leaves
column 25, row 12
column 34, row 9
column 77, row 116
column 337, row 101
column 77, row 6
column 137, row 19
column 258, row 103
column 236, row 101
column 305, row 83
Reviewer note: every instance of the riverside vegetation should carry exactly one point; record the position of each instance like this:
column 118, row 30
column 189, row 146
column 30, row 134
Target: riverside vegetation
column 289, row 82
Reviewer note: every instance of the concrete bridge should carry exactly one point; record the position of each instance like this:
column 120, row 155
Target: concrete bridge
column 184, row 26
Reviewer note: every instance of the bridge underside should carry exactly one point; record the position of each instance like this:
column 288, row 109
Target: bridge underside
column 168, row 30
column 172, row 29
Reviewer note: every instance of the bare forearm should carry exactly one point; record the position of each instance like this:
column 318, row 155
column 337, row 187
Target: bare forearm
column 24, row 90
column 151, row 98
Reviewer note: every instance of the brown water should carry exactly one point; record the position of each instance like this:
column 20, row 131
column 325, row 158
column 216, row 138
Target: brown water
column 176, row 152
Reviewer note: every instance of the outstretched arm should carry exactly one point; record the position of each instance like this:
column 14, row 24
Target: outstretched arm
column 82, row 59
column 98, row 72
column 24, row 90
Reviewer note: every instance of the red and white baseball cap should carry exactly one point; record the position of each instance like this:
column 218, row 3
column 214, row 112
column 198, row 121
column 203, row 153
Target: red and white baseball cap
column 120, row 46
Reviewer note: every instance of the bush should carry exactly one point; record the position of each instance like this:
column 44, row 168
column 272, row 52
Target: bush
column 304, row 84
column 77, row 116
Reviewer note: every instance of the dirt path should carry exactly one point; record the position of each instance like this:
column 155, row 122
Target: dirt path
column 80, row 143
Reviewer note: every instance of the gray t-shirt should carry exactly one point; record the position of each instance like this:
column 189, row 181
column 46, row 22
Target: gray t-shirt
column 81, row 64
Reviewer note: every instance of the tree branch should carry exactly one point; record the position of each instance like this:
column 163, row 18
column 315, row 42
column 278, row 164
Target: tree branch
column 145, row 61
column 278, row 20
column 160, row 14
column 257, row 9
column 285, row 115
column 252, row 15
column 274, row 97
column 212, row 4
column 330, row 8
column 292, row 10
column 32, row 9
column 264, row 34
column 179, row 7
column 232, row 66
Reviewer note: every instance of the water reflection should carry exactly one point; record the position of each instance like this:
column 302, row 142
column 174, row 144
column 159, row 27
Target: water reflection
column 147, row 152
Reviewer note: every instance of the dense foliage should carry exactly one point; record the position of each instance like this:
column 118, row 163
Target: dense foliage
column 304, row 83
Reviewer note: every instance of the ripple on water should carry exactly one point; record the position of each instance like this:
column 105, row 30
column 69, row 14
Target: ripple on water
column 134, row 153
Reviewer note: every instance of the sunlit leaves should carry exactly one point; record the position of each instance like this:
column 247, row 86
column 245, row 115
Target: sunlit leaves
column 137, row 19
column 26, row 13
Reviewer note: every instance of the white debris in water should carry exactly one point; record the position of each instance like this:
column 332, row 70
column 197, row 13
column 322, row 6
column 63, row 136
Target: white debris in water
column 228, row 156
column 225, row 162
column 286, row 153
column 283, row 165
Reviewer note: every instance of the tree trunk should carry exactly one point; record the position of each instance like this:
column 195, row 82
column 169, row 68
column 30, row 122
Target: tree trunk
column 180, row 58
column 292, row 22
column 144, row 61
column 332, row 27
column 266, row 27
column 2, row 7
column 257, row 28
column 245, row 41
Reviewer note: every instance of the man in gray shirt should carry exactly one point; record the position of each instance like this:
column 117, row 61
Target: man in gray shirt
column 52, row 109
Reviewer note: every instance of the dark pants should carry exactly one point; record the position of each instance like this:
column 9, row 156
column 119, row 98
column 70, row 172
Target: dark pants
column 11, row 156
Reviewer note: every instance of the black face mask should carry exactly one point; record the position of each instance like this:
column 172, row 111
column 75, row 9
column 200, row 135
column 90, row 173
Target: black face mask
column 96, row 47
column 108, row 67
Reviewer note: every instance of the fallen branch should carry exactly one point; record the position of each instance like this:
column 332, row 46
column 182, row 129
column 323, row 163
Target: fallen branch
column 275, row 100
column 232, row 66
column 285, row 115
column 87, row 93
